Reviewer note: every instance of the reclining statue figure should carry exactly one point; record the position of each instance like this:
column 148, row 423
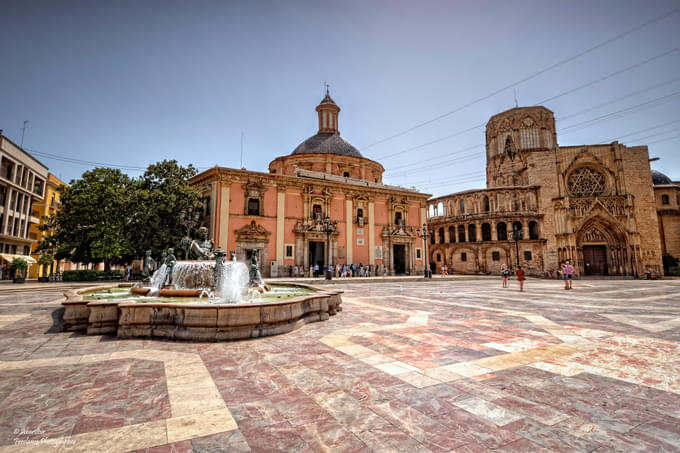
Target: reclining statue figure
column 203, row 248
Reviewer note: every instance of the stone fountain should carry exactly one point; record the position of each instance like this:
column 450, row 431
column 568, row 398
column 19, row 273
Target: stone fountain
column 211, row 298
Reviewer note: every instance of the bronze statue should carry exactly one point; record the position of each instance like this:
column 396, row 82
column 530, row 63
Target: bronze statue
column 149, row 266
column 170, row 261
column 203, row 248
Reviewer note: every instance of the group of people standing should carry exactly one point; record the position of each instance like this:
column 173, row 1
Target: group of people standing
column 340, row 270
column 566, row 271
column 519, row 273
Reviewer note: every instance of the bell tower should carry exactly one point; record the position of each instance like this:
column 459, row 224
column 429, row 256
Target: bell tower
column 328, row 115
column 513, row 135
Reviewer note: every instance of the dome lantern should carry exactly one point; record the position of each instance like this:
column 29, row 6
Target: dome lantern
column 328, row 115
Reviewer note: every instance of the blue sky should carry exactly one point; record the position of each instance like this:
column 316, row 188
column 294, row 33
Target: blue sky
column 129, row 83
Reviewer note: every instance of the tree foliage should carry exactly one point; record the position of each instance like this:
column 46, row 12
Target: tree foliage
column 110, row 217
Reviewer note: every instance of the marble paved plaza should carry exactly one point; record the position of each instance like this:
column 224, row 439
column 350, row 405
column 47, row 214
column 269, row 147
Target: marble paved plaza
column 461, row 365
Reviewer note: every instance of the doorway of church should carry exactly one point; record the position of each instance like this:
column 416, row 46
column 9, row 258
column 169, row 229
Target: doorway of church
column 316, row 256
column 595, row 259
column 399, row 253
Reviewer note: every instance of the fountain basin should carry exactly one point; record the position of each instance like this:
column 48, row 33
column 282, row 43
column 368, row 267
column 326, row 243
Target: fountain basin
column 197, row 321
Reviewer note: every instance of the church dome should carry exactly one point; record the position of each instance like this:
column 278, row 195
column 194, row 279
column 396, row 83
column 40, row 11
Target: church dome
column 327, row 143
column 659, row 179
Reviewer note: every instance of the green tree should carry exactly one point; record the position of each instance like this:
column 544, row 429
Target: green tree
column 162, row 195
column 93, row 222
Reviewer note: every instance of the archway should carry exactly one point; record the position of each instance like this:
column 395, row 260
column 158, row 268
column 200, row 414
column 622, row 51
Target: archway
column 602, row 248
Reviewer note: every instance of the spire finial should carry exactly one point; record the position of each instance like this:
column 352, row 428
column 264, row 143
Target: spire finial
column 327, row 87
column 516, row 103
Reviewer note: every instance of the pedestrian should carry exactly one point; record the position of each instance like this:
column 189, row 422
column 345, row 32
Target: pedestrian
column 316, row 270
column 505, row 273
column 520, row 277
column 127, row 273
column 563, row 272
column 311, row 271
column 570, row 274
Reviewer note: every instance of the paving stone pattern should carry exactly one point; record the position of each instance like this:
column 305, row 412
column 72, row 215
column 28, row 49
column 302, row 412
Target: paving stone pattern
column 459, row 366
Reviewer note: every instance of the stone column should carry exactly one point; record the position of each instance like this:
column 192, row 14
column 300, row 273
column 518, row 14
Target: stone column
column 280, row 217
column 371, row 232
column 224, row 217
column 349, row 226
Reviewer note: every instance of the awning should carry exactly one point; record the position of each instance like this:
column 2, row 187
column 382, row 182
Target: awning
column 9, row 257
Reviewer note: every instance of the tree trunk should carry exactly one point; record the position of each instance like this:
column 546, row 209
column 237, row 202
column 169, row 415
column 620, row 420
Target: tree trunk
column 107, row 265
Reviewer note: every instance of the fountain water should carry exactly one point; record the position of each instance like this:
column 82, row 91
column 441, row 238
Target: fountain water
column 220, row 282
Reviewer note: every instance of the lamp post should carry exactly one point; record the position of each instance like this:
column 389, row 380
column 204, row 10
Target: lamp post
column 516, row 236
column 328, row 227
column 188, row 219
column 425, row 234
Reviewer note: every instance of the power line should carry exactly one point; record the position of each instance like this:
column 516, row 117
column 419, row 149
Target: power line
column 613, row 101
column 664, row 140
column 83, row 162
column 430, row 143
column 644, row 130
column 635, row 93
column 609, row 76
column 658, row 134
column 448, row 154
column 633, row 109
column 525, row 79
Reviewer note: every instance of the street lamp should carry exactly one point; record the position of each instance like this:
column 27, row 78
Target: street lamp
column 516, row 236
column 328, row 227
column 425, row 234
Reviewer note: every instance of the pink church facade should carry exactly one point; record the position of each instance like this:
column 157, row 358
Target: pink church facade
column 280, row 215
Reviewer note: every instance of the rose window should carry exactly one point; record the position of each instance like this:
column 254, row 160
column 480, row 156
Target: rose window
column 585, row 182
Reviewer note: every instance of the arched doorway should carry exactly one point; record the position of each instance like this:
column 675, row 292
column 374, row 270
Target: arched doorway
column 602, row 248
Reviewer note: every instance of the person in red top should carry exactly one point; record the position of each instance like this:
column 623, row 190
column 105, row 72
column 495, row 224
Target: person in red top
column 520, row 277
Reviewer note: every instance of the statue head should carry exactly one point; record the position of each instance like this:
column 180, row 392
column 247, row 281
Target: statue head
column 148, row 253
column 171, row 251
column 203, row 233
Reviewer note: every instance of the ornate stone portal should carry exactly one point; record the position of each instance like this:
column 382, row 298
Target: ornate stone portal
column 253, row 238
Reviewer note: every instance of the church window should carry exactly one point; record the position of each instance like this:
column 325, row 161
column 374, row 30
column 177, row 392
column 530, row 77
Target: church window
column 253, row 206
column 440, row 208
column 472, row 233
column 346, row 174
column 502, row 231
column 439, row 256
column 441, row 235
column 486, row 204
column 664, row 199
column 462, row 206
column 486, row 232
column 452, row 234
column 529, row 138
column 398, row 219
column 533, row 230
column 496, row 256
column 585, row 182
column 527, row 255
column 430, row 211
column 461, row 233
column 463, row 256
column 360, row 212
